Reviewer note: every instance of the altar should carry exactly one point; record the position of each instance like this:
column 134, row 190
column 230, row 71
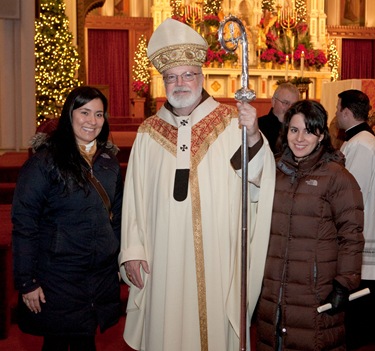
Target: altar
column 224, row 82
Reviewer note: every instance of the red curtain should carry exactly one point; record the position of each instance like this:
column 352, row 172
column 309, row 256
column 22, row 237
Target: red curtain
column 108, row 64
column 358, row 59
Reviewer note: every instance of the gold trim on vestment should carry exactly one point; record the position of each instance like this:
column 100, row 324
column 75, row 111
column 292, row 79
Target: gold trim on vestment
column 199, row 257
column 162, row 132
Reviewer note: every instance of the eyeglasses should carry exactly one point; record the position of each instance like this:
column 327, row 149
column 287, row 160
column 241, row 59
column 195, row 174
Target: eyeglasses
column 283, row 102
column 186, row 77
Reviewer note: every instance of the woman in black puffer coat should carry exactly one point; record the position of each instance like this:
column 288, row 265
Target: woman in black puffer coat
column 65, row 245
column 315, row 248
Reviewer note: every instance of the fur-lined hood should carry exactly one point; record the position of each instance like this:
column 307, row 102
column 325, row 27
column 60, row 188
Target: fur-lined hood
column 40, row 140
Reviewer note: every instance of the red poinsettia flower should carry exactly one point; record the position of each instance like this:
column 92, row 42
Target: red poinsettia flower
column 139, row 87
column 268, row 55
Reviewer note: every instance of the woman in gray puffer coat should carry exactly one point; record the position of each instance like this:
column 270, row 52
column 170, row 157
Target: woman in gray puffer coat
column 315, row 248
column 65, row 238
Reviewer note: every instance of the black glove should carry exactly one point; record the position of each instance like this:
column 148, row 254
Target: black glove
column 338, row 298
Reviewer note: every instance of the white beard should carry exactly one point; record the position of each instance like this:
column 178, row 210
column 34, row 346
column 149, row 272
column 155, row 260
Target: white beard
column 183, row 101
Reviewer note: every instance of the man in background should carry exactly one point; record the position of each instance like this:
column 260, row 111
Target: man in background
column 271, row 124
column 352, row 113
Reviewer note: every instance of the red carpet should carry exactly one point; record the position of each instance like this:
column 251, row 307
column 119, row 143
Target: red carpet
column 110, row 340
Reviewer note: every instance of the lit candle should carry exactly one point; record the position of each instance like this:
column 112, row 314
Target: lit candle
column 302, row 62
column 286, row 67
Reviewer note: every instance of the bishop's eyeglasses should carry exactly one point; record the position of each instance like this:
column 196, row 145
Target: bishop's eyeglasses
column 186, row 77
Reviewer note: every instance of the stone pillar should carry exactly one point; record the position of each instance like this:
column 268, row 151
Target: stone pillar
column 17, row 79
column 316, row 19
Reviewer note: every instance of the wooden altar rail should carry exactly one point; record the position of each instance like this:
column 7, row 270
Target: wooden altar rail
column 262, row 105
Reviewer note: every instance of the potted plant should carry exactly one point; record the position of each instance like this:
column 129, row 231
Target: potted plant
column 268, row 56
column 140, row 88
column 319, row 59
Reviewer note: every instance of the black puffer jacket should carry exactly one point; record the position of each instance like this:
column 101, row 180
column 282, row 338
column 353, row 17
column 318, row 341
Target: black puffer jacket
column 316, row 237
column 66, row 244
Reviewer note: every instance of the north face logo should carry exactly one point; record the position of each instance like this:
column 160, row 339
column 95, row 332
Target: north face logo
column 312, row 182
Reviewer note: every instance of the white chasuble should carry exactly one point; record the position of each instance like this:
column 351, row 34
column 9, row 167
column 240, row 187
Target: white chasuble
column 191, row 299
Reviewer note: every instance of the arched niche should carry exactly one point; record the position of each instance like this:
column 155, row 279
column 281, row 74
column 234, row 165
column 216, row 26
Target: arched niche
column 135, row 25
column 83, row 8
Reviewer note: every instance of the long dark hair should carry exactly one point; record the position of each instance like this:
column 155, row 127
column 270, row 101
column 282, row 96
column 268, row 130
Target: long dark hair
column 65, row 151
column 315, row 117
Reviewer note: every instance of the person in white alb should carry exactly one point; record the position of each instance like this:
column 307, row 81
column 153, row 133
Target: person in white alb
column 352, row 114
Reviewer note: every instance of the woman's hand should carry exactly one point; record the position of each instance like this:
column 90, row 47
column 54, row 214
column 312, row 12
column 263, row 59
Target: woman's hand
column 32, row 300
column 247, row 116
column 133, row 272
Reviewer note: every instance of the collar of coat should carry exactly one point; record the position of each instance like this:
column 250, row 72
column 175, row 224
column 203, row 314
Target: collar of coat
column 288, row 165
column 41, row 139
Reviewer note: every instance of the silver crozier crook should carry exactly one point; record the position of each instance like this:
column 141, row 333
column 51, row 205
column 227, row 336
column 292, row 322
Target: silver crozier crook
column 228, row 30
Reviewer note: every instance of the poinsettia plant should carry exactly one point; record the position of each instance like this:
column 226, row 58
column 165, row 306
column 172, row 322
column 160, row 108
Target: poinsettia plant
column 313, row 57
column 140, row 88
column 268, row 55
column 274, row 42
column 211, row 20
column 214, row 55
column 320, row 58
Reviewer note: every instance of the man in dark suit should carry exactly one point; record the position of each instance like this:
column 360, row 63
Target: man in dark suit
column 271, row 124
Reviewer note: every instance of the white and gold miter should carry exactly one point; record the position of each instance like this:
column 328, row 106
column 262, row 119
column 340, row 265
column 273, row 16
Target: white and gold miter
column 176, row 44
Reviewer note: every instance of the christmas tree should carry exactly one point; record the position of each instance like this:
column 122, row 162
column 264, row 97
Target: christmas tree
column 56, row 59
column 333, row 60
column 212, row 7
column 141, row 74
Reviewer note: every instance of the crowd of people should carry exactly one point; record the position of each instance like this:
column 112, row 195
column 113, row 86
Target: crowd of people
column 172, row 231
